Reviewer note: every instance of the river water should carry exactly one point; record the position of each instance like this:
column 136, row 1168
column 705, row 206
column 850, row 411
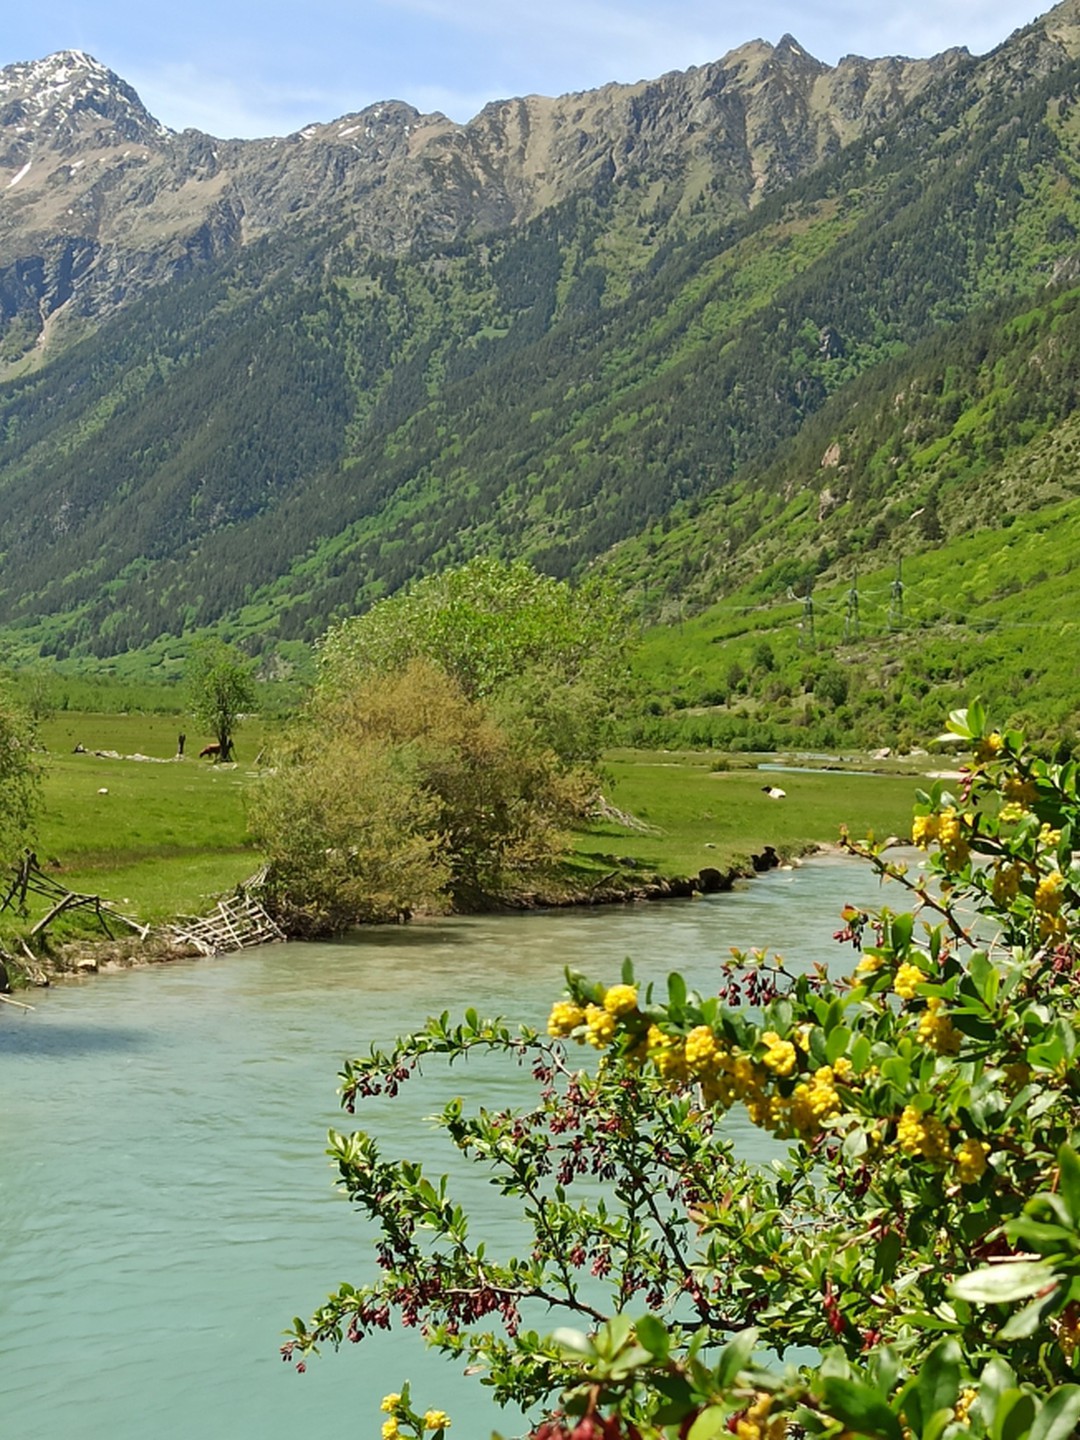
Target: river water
column 166, row 1205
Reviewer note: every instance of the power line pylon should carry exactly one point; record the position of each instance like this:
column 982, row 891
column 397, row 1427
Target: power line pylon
column 896, row 606
column 851, row 619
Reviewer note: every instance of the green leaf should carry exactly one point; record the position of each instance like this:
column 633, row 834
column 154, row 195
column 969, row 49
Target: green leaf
column 1001, row 1284
column 901, row 930
column 1059, row 1417
column 735, row 1356
column 837, row 1043
column 709, row 1423
column 653, row 1335
column 1013, row 1416
column 676, row 989
column 1029, row 1320
column 1069, row 1188
column 574, row 1342
column 938, row 1383
column 859, row 1407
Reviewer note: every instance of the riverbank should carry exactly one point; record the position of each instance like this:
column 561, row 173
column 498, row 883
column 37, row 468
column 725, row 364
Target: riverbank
column 92, row 955
column 156, row 836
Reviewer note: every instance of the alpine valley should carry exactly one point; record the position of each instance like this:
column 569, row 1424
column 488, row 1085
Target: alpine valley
column 790, row 351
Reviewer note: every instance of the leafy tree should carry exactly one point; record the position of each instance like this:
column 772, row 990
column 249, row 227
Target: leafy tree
column 19, row 776
column 402, row 794
column 537, row 650
column 220, row 688
column 922, row 1234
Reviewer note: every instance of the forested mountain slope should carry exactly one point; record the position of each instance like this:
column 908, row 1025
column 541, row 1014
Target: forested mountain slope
column 690, row 391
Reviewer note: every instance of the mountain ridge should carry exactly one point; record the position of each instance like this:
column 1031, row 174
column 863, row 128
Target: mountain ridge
column 91, row 215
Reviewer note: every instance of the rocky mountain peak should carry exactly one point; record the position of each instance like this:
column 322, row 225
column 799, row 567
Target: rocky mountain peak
column 66, row 102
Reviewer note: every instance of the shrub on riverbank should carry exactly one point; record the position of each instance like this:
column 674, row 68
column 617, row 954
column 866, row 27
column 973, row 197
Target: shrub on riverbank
column 405, row 794
column 922, row 1233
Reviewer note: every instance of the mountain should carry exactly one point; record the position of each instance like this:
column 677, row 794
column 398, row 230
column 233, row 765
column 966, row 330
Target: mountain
column 731, row 333
column 98, row 201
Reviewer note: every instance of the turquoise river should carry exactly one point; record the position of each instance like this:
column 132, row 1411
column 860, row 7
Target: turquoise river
column 166, row 1205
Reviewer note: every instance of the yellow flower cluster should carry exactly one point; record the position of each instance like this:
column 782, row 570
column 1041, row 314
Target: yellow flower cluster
column 1023, row 792
column 924, row 1135
column 964, row 1402
column 1005, row 884
column 565, row 1017
column 436, row 1420
column 600, row 1025
column 756, row 1425
column 391, row 1404
column 1049, row 837
column 1012, row 813
column 869, row 965
column 924, row 828
column 779, row 1055
column 620, row 1000
column 988, row 748
column 936, row 1031
column 668, row 1054
column 950, row 837
column 1048, row 900
column 907, row 977
column 702, row 1053
column 970, row 1157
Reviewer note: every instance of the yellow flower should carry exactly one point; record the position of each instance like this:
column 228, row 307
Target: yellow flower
column 667, row 1054
column 815, row 1101
column 907, row 977
column 621, row 1000
column 970, row 1157
column 919, row 1134
column 565, row 1017
column 1050, row 838
column 1012, row 813
column 963, row 1405
column 702, row 1051
column 1048, row 893
column 869, row 964
column 756, row 1425
column 436, row 1420
column 1023, row 792
column 988, row 748
column 390, row 1403
column 936, row 1031
column 950, row 837
column 1005, row 884
column 843, row 1069
column 601, row 1026
column 779, row 1055
column 391, row 1430
column 924, row 828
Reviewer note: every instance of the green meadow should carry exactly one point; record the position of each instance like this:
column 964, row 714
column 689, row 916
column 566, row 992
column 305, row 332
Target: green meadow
column 159, row 836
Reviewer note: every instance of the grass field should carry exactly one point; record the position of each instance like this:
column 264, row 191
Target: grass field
column 706, row 817
column 157, row 836
column 167, row 835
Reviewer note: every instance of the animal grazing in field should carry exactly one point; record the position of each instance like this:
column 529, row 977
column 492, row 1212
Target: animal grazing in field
column 211, row 751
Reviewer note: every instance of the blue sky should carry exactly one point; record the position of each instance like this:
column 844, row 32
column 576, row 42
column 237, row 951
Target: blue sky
column 262, row 67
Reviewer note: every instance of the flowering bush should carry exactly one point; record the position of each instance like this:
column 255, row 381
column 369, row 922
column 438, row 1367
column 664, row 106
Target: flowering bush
column 922, row 1235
